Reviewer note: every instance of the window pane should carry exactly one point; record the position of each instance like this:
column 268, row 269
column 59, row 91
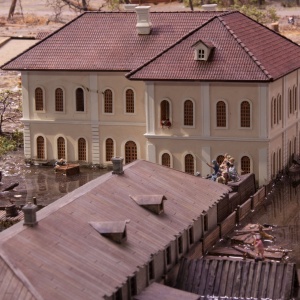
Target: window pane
column 245, row 114
column 221, row 114
column 108, row 101
column 129, row 101
column 79, row 100
column 164, row 110
column 188, row 113
column 109, row 149
column 61, row 151
column 189, row 164
column 82, row 149
column 166, row 160
column 130, row 152
column 245, row 164
column 40, row 147
column 59, row 100
column 39, row 99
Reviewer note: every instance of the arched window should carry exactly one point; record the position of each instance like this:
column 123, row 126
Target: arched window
column 274, row 111
column 189, row 164
column 79, row 99
column 273, row 165
column 220, row 159
column 290, row 101
column 188, row 113
column 279, row 160
column 130, row 152
column 108, row 101
column 59, row 100
column 245, row 164
column 295, row 97
column 164, row 111
column 245, row 114
column 40, row 144
column 39, row 99
column 290, row 152
column 166, row 160
column 61, row 148
column 279, row 108
column 129, row 101
column 82, row 149
column 295, row 147
column 221, row 114
column 109, row 149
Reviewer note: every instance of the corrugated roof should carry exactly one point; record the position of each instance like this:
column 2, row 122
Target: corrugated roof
column 63, row 257
column 237, row 278
column 244, row 51
column 107, row 41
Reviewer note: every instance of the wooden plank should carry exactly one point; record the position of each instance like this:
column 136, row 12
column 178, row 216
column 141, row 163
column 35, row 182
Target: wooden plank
column 218, row 278
column 245, row 277
column 182, row 274
column 271, row 283
column 211, row 238
column 205, row 268
column 230, row 278
column 191, row 275
column 211, row 278
column 265, row 279
column 198, row 275
column 278, row 281
column 237, row 279
column 228, row 224
column 256, row 280
column 288, row 281
column 223, row 282
column 250, row 278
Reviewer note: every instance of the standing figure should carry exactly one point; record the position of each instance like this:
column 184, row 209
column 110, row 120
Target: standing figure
column 232, row 172
column 259, row 247
column 215, row 167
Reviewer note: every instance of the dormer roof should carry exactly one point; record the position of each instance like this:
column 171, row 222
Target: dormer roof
column 244, row 50
column 148, row 199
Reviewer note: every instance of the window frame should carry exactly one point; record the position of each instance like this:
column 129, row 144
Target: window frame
column 161, row 117
column 63, row 100
column 86, row 150
column 161, row 158
column 43, row 100
column 216, row 114
column 125, row 101
column 250, row 114
column 184, row 113
column 184, row 163
column 104, row 100
column 65, row 145
column 44, row 147
column 84, row 100
column 105, row 149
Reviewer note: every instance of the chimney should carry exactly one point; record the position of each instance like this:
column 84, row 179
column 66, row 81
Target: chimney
column 117, row 165
column 143, row 19
column 29, row 211
column 209, row 7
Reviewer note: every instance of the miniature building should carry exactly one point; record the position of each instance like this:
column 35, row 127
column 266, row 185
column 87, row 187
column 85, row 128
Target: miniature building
column 65, row 257
column 240, row 96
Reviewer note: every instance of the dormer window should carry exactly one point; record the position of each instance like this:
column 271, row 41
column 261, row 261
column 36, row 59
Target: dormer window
column 154, row 203
column 202, row 50
column 201, row 54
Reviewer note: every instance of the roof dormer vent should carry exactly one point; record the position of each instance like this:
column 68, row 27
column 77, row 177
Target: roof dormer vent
column 154, row 203
column 114, row 230
column 144, row 24
column 202, row 50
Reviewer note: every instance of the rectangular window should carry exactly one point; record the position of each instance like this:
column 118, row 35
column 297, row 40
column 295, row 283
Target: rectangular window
column 180, row 245
column 133, row 287
column 191, row 235
column 151, row 273
column 118, row 295
column 205, row 221
column 168, row 255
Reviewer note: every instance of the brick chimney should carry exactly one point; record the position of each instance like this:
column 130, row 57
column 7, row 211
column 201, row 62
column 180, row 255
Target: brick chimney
column 144, row 24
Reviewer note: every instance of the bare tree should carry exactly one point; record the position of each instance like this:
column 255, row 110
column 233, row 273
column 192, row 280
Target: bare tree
column 9, row 110
column 12, row 9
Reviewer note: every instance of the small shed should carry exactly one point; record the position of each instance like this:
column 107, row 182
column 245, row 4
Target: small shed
column 244, row 279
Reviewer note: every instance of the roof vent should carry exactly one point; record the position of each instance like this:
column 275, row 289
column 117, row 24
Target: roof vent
column 29, row 211
column 117, row 165
column 209, row 7
column 143, row 19
column 154, row 203
column 130, row 7
column 114, row 230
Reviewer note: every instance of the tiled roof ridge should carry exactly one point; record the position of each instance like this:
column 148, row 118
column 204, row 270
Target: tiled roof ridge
column 253, row 57
column 170, row 47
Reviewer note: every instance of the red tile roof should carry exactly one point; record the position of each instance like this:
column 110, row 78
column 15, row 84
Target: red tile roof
column 244, row 51
column 107, row 41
